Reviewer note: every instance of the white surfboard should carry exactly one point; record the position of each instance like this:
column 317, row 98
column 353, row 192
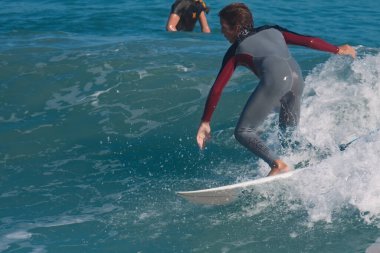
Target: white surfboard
column 229, row 193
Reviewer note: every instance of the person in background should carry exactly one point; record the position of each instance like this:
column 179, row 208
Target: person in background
column 264, row 51
column 185, row 13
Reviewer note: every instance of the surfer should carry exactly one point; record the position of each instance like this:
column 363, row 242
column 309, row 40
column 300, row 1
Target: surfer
column 185, row 13
column 264, row 51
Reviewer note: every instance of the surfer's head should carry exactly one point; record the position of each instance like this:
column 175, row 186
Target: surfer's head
column 236, row 21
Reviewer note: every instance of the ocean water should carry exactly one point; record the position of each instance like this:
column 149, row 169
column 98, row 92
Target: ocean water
column 99, row 108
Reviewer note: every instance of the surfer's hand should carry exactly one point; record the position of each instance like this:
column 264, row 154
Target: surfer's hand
column 203, row 134
column 347, row 49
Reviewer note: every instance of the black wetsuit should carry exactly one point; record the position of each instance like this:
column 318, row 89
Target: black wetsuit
column 264, row 51
column 188, row 11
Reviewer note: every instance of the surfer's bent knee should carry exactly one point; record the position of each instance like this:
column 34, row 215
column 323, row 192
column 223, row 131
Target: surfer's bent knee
column 242, row 134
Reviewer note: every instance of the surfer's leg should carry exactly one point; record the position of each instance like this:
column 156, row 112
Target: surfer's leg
column 288, row 119
column 260, row 104
column 254, row 113
column 291, row 108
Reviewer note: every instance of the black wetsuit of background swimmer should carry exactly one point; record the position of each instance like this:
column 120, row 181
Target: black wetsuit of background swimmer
column 188, row 11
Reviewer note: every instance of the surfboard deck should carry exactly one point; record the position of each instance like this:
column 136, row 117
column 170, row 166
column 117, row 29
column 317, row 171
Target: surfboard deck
column 229, row 193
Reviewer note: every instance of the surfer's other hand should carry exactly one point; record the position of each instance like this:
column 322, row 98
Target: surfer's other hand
column 203, row 134
column 347, row 50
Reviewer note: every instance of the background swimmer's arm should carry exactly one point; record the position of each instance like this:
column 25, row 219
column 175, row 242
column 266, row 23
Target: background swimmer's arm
column 172, row 22
column 204, row 24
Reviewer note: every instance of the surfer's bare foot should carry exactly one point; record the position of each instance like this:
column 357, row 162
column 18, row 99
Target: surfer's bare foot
column 280, row 167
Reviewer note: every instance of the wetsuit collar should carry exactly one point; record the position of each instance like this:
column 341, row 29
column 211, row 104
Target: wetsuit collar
column 248, row 32
column 244, row 33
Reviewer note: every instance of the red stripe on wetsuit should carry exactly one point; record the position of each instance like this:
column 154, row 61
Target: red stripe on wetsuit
column 221, row 81
column 311, row 42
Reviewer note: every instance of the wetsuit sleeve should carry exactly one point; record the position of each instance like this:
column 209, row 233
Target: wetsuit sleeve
column 225, row 73
column 307, row 41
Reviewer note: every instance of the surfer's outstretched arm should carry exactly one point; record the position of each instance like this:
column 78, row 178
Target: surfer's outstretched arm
column 315, row 43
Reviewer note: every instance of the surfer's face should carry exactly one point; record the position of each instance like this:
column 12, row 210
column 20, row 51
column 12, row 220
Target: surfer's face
column 228, row 32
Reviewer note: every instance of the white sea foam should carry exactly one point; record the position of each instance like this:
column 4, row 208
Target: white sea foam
column 23, row 234
column 12, row 118
column 143, row 73
column 36, row 128
column 183, row 68
column 101, row 73
column 341, row 102
column 12, row 237
column 19, row 235
column 345, row 103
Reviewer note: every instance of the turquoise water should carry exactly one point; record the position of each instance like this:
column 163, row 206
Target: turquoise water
column 99, row 111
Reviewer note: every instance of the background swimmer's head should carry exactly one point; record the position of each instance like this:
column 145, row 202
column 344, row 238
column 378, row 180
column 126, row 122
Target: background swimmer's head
column 238, row 18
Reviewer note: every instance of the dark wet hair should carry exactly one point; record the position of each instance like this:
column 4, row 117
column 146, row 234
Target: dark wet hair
column 237, row 14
